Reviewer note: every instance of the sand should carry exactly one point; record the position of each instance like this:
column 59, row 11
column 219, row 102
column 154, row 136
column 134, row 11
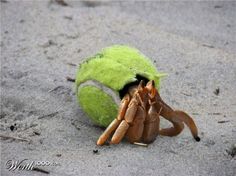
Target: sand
column 42, row 43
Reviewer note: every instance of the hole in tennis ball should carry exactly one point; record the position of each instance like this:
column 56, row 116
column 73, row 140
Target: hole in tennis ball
column 125, row 89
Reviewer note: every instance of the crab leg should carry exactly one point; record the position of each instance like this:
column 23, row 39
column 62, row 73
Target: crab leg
column 172, row 131
column 124, row 125
column 116, row 122
column 184, row 117
column 120, row 132
column 176, row 118
column 106, row 134
column 165, row 111
column 151, row 124
column 123, row 107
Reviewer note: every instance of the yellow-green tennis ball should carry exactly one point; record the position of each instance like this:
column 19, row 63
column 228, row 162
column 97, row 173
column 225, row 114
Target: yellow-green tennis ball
column 102, row 80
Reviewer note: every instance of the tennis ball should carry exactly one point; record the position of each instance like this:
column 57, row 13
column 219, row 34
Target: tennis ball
column 102, row 80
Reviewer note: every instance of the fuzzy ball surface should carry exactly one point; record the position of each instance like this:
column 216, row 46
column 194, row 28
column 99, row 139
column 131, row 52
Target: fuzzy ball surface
column 101, row 79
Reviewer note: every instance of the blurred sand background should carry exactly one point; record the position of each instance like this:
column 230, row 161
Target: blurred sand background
column 42, row 41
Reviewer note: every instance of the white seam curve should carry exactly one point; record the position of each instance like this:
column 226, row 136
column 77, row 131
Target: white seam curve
column 102, row 87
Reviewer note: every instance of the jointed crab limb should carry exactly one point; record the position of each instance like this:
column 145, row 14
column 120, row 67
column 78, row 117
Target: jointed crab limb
column 172, row 131
column 151, row 124
column 135, row 131
column 123, row 127
column 184, row 117
column 116, row 122
column 109, row 130
column 159, row 104
column 131, row 111
column 123, row 106
column 178, row 126
column 120, row 132
column 176, row 117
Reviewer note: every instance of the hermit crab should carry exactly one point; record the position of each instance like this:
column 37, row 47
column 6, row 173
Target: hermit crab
column 121, row 82
column 138, row 117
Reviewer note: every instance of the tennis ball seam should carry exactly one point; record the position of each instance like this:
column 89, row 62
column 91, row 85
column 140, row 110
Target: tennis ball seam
column 102, row 87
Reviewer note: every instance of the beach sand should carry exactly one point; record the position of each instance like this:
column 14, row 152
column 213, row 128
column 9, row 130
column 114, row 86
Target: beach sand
column 43, row 42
